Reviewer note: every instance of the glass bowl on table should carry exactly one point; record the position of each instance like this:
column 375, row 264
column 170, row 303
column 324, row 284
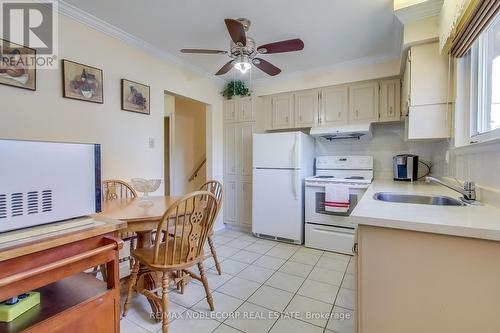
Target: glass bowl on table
column 145, row 186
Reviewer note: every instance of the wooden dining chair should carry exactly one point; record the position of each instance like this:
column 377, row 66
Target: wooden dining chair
column 115, row 189
column 185, row 226
column 216, row 188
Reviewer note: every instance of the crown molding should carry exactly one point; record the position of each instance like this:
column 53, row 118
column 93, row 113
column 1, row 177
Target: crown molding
column 419, row 11
column 96, row 23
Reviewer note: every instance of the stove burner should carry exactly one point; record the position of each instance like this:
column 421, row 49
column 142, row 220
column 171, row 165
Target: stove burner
column 354, row 177
column 326, row 177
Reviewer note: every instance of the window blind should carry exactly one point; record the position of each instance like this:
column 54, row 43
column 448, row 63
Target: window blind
column 481, row 15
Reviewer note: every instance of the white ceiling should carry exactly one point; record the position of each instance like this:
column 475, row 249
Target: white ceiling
column 333, row 31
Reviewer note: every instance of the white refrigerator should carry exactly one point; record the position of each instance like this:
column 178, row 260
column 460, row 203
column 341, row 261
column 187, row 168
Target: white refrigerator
column 281, row 161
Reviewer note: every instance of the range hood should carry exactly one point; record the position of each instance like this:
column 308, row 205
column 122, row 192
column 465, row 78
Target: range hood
column 354, row 131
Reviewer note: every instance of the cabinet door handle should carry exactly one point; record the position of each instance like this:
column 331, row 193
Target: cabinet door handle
column 286, row 119
column 300, row 117
column 355, row 248
column 340, row 115
column 357, row 113
column 390, row 110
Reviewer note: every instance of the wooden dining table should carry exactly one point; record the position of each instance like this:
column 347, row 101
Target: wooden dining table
column 142, row 220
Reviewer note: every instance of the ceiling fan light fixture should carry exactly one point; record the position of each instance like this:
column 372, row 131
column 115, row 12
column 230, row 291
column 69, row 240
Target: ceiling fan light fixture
column 242, row 64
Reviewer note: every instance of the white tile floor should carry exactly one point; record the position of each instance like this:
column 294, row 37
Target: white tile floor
column 266, row 286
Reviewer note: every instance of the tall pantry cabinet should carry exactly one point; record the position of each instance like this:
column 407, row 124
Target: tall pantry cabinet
column 239, row 126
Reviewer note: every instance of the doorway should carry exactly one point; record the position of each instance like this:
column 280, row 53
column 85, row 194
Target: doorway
column 185, row 133
column 166, row 154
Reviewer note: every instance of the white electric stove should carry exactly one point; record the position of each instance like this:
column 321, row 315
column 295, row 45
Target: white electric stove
column 333, row 231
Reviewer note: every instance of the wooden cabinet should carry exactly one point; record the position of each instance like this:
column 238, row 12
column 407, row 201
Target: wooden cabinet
column 230, row 111
column 390, row 100
column 230, row 144
column 363, row 102
column 408, row 275
column 230, row 211
column 283, row 111
column 238, row 163
column 428, row 122
column 245, row 132
column 244, row 196
column 52, row 263
column 425, row 93
column 239, row 109
column 307, row 108
column 428, row 75
column 245, row 109
column 334, row 106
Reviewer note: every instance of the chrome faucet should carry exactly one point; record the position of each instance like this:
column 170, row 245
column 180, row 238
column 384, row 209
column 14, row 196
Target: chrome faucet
column 468, row 189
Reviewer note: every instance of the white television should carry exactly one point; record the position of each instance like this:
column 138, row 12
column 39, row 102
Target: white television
column 45, row 182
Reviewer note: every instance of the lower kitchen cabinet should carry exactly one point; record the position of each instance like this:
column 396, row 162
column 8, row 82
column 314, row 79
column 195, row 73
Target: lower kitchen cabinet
column 230, row 209
column 244, row 198
column 413, row 282
column 238, row 202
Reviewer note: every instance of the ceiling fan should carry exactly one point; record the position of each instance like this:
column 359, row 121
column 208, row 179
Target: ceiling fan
column 243, row 51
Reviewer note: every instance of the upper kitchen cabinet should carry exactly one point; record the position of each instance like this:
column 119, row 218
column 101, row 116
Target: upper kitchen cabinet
column 390, row 104
column 334, row 106
column 239, row 109
column 306, row 108
column 425, row 93
column 428, row 75
column 363, row 102
column 230, row 111
column 246, row 109
column 283, row 111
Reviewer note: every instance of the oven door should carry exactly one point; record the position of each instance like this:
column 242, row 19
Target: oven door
column 335, row 239
column 315, row 207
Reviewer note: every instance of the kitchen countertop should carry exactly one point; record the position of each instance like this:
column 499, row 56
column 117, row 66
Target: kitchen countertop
column 467, row 221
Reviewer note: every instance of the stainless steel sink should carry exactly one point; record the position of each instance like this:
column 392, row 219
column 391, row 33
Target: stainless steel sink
column 417, row 199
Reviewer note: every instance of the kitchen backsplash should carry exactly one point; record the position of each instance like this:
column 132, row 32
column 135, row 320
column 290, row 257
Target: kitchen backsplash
column 388, row 140
column 477, row 163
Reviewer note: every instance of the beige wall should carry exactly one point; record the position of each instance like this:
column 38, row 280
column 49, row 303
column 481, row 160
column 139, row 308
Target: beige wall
column 189, row 145
column 45, row 115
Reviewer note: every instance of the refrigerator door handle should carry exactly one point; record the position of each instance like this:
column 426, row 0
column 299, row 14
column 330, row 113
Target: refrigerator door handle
column 294, row 183
column 295, row 172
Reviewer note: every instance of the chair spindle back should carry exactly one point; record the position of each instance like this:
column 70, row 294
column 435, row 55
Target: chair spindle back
column 114, row 189
column 186, row 225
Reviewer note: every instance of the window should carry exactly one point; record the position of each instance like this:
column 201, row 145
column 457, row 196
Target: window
column 483, row 64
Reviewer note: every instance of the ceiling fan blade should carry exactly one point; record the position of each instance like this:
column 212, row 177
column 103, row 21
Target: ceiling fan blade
column 236, row 31
column 224, row 69
column 205, row 51
column 283, row 46
column 266, row 66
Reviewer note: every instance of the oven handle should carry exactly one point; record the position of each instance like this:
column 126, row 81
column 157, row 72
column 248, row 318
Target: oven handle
column 336, row 230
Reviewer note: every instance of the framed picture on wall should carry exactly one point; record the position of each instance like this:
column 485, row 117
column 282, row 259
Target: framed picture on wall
column 17, row 65
column 135, row 97
column 82, row 82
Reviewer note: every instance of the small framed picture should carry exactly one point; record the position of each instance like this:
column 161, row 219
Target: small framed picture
column 82, row 82
column 17, row 65
column 135, row 97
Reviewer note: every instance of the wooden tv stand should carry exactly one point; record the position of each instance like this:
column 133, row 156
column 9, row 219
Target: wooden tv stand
column 52, row 259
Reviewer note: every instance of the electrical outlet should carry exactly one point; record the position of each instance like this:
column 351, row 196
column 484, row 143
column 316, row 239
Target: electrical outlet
column 151, row 142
